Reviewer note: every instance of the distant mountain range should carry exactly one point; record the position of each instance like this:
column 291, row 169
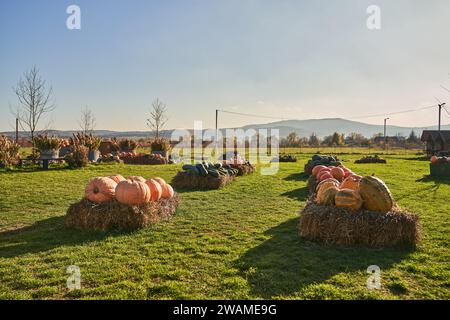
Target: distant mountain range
column 303, row 128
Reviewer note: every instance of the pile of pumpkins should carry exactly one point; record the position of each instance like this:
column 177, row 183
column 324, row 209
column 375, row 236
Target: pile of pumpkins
column 340, row 187
column 206, row 168
column 435, row 160
column 132, row 191
column 318, row 160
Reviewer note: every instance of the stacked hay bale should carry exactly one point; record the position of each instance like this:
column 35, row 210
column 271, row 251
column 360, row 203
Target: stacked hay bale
column 118, row 203
column 347, row 209
column 204, row 176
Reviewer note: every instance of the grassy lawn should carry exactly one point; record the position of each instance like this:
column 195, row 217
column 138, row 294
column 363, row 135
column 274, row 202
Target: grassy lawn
column 237, row 243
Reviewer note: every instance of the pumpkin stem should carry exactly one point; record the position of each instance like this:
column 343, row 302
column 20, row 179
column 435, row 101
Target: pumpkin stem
column 96, row 190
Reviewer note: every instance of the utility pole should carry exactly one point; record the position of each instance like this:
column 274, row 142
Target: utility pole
column 441, row 105
column 17, row 130
column 217, row 132
column 385, row 137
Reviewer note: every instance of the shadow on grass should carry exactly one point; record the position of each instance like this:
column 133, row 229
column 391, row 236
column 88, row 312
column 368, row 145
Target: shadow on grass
column 297, row 177
column 286, row 263
column 300, row 194
column 45, row 235
column 436, row 180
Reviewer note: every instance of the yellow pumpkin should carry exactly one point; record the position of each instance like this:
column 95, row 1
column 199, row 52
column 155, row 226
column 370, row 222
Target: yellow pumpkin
column 331, row 182
column 376, row 194
column 327, row 196
column 348, row 199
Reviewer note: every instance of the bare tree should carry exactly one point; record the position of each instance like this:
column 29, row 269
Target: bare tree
column 158, row 117
column 35, row 100
column 87, row 121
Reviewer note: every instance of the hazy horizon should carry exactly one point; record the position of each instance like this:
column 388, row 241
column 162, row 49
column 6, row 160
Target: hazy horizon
column 290, row 59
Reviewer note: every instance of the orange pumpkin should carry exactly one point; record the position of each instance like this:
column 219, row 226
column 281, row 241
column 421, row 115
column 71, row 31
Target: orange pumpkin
column 155, row 189
column 351, row 182
column 137, row 178
column 325, row 175
column 161, row 181
column 337, row 173
column 327, row 196
column 167, row 191
column 348, row 199
column 117, row 178
column 316, row 169
column 100, row 189
column 133, row 192
column 434, row 159
column 321, row 171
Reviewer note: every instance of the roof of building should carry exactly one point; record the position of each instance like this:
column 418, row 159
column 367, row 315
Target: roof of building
column 443, row 135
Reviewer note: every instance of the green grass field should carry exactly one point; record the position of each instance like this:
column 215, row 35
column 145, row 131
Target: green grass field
column 237, row 243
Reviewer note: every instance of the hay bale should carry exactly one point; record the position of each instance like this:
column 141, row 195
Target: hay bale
column 190, row 180
column 244, row 169
column 88, row 215
column 332, row 225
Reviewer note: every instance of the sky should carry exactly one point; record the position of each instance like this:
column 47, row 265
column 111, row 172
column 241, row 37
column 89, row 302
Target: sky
column 289, row 59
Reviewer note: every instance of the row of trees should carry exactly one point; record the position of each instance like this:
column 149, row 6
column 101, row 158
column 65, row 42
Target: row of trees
column 353, row 139
column 35, row 101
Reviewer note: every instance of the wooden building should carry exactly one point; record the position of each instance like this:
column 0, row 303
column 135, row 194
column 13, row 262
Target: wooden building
column 436, row 141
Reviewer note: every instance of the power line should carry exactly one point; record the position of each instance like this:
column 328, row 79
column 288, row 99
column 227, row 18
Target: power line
column 251, row 115
column 393, row 113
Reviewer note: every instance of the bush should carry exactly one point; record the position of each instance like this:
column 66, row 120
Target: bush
column 127, row 145
column 77, row 157
column 9, row 152
column 160, row 144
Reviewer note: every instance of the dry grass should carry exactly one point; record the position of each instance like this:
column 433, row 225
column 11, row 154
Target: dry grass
column 244, row 169
column 88, row 215
column 333, row 225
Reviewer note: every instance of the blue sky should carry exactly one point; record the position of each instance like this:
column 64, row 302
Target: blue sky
column 292, row 59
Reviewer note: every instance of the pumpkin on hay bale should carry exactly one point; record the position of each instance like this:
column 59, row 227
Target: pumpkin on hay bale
column 189, row 180
column 89, row 215
column 118, row 203
column 333, row 225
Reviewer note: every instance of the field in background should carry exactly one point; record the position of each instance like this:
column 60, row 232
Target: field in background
column 239, row 242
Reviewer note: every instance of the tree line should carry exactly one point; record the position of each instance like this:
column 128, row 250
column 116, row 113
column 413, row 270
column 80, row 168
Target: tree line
column 354, row 139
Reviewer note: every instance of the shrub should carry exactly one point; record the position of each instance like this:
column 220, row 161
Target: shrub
column 77, row 157
column 160, row 144
column 88, row 140
column 127, row 145
column 9, row 152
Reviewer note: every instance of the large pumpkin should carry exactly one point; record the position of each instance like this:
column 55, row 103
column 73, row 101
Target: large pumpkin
column 137, row 178
column 100, row 189
column 155, row 189
column 322, row 171
column 375, row 194
column 348, row 199
column 351, row 182
column 167, row 191
column 331, row 182
column 327, row 196
column 323, row 175
column 133, row 192
column 117, row 178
